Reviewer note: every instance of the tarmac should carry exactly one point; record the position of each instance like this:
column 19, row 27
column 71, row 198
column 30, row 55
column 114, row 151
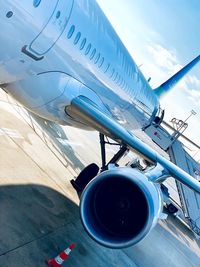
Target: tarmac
column 39, row 214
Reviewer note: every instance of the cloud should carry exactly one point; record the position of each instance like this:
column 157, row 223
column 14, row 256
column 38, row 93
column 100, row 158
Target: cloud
column 167, row 64
column 194, row 95
column 160, row 63
column 164, row 58
column 193, row 80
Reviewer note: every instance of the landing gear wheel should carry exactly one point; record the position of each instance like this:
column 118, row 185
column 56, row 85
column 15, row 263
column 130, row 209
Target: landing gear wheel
column 91, row 171
column 85, row 176
column 171, row 208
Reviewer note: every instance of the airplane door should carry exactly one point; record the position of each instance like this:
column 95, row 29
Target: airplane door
column 54, row 16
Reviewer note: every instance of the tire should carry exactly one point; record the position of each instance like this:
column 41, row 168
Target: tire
column 171, row 208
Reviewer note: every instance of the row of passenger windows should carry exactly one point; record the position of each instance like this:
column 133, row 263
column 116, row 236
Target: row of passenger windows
column 93, row 55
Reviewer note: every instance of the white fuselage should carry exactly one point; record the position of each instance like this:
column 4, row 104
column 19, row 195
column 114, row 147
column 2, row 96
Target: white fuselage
column 59, row 49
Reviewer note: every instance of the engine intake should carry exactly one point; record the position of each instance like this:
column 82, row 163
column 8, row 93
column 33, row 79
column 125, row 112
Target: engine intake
column 119, row 207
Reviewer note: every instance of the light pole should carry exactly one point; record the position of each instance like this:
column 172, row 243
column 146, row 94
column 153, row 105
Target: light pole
column 192, row 112
column 181, row 126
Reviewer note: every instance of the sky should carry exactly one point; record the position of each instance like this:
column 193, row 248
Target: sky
column 163, row 36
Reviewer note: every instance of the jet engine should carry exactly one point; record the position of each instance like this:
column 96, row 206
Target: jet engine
column 119, row 207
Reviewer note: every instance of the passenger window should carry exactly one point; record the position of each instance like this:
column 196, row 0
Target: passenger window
column 93, row 53
column 71, row 31
column 58, row 14
column 115, row 77
column 107, row 68
column 113, row 71
column 97, row 58
column 101, row 62
column 36, row 3
column 78, row 36
column 88, row 49
column 83, row 44
column 118, row 80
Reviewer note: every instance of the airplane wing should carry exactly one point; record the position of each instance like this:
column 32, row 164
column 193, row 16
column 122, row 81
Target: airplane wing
column 85, row 109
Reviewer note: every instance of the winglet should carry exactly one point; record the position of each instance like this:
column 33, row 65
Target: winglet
column 171, row 82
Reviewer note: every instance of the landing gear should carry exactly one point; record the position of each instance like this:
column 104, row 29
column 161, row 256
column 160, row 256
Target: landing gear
column 85, row 176
column 123, row 149
column 91, row 171
column 171, row 208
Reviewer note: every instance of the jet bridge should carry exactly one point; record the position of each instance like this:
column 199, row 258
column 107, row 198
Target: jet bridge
column 187, row 198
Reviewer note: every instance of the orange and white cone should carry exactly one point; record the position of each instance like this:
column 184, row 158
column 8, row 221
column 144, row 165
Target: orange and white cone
column 63, row 256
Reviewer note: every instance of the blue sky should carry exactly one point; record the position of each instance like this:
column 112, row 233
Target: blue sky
column 163, row 36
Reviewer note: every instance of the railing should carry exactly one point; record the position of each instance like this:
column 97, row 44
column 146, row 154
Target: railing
column 194, row 227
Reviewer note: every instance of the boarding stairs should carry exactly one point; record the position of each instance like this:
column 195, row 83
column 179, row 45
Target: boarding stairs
column 189, row 199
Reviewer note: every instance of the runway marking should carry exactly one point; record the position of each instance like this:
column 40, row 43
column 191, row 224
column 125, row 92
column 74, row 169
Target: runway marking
column 11, row 133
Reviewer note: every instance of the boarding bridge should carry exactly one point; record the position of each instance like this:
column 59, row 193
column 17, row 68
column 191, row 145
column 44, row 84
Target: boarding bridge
column 188, row 199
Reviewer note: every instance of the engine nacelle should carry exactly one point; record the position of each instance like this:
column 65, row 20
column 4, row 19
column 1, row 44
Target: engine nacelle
column 119, row 207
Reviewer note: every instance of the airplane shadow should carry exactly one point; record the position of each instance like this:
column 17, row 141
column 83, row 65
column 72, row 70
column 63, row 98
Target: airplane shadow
column 58, row 139
column 51, row 134
column 37, row 223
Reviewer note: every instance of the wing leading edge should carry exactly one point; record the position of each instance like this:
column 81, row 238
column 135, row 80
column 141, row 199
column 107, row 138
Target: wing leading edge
column 84, row 109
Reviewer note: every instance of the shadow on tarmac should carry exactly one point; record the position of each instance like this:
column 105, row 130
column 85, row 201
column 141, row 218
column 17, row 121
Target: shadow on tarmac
column 59, row 140
column 38, row 222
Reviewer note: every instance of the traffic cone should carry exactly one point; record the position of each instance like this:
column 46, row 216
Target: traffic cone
column 63, row 256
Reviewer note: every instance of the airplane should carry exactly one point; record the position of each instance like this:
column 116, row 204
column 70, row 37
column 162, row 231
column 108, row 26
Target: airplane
column 63, row 61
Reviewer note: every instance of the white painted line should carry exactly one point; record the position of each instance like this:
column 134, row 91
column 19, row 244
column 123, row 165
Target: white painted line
column 67, row 142
column 11, row 133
